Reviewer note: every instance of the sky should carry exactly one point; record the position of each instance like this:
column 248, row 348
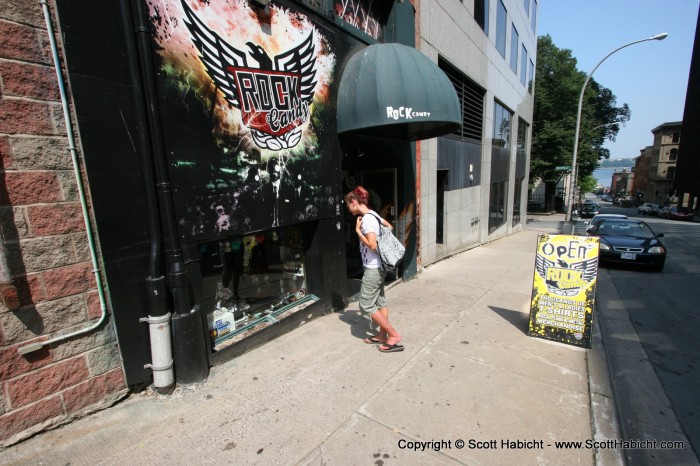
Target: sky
column 651, row 77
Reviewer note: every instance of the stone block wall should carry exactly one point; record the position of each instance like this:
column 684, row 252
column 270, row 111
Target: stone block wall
column 46, row 247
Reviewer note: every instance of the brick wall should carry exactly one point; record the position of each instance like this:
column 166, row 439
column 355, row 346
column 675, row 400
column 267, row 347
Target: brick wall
column 46, row 247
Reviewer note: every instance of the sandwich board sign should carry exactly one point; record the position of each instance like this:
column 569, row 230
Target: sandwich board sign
column 563, row 288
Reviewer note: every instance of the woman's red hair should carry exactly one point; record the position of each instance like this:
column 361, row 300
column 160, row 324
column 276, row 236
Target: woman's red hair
column 358, row 194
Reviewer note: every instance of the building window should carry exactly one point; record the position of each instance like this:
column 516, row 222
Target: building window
column 501, row 23
column 481, row 14
column 533, row 16
column 526, row 3
column 520, row 167
column 471, row 100
column 670, row 172
column 500, row 166
column 522, row 134
column 497, row 205
column 523, row 66
column 675, row 138
column 514, row 39
column 532, row 77
column 517, row 192
column 501, row 127
column 673, row 154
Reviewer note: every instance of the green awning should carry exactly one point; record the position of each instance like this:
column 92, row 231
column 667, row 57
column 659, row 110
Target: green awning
column 394, row 91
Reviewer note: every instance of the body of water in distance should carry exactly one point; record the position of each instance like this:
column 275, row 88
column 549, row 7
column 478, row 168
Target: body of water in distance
column 604, row 175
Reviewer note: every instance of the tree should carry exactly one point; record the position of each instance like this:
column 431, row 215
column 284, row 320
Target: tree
column 587, row 184
column 557, row 88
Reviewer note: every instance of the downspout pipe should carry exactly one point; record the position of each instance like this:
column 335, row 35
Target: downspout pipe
column 81, row 193
column 158, row 316
column 189, row 346
column 10, row 297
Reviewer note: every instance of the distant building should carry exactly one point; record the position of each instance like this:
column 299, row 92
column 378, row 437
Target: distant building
column 662, row 166
column 641, row 172
column 621, row 184
column 687, row 179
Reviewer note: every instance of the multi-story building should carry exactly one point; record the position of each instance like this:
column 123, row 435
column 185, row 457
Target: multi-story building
column 641, row 173
column 662, row 166
column 687, row 179
column 474, row 181
column 622, row 184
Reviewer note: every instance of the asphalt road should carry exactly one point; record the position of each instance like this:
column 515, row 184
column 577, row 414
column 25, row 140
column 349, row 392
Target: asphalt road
column 663, row 309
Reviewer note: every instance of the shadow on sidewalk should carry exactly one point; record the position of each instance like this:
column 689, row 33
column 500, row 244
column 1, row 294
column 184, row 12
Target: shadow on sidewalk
column 518, row 319
column 359, row 324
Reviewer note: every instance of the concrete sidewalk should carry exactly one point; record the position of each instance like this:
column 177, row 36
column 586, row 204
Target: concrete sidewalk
column 319, row 395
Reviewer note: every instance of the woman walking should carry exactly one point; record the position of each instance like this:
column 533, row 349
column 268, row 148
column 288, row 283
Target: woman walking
column 372, row 299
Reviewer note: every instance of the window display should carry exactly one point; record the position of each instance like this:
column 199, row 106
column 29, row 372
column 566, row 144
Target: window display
column 252, row 281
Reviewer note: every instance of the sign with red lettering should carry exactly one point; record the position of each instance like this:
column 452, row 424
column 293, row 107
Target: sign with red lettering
column 274, row 96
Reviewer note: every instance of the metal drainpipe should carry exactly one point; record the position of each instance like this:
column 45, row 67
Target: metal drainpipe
column 158, row 316
column 81, row 192
column 8, row 289
column 189, row 345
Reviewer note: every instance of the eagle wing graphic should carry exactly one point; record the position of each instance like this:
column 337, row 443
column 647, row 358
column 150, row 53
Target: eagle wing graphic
column 301, row 60
column 587, row 267
column 542, row 264
column 216, row 55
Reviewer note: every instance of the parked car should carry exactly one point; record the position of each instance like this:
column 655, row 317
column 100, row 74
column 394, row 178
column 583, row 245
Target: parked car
column 663, row 212
column 606, row 198
column 680, row 213
column 589, row 210
column 598, row 219
column 654, row 210
column 630, row 241
column 646, row 208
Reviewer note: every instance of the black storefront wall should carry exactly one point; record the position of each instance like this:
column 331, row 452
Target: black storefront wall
column 204, row 156
column 100, row 86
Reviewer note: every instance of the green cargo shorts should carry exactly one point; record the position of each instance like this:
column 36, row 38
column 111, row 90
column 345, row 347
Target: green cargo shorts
column 372, row 292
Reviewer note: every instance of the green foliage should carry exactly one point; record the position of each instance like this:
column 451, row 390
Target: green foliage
column 587, row 183
column 557, row 89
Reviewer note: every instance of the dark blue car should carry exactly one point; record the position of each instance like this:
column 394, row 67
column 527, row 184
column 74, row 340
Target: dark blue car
column 630, row 241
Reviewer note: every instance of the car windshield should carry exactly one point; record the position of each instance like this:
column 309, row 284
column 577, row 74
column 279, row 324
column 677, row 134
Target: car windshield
column 635, row 230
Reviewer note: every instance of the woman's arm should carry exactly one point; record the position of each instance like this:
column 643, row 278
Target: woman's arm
column 370, row 239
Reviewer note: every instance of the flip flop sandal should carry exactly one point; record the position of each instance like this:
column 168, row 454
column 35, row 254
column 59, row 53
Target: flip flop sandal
column 390, row 348
column 373, row 341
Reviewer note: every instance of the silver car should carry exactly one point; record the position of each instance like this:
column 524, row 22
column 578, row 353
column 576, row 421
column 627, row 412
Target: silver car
column 595, row 221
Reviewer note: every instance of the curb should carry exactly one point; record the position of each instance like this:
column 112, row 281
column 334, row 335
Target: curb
column 604, row 420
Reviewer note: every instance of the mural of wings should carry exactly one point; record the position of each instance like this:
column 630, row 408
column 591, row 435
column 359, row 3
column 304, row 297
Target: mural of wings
column 216, row 55
column 301, row 60
column 542, row 264
column 587, row 267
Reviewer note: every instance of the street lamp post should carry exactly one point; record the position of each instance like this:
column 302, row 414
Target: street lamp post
column 574, row 174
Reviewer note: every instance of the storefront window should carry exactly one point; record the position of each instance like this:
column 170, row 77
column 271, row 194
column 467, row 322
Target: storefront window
column 252, row 281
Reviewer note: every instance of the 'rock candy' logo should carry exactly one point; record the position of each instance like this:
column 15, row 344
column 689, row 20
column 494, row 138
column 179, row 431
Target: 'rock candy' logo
column 274, row 97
